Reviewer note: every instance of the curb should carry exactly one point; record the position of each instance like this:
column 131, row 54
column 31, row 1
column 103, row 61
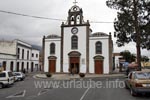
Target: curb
column 86, row 77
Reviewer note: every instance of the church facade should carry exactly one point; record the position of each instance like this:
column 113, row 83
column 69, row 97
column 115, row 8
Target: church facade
column 77, row 49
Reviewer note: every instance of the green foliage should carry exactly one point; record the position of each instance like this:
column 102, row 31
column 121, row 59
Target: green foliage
column 125, row 23
column 144, row 58
column 81, row 74
column 48, row 74
column 128, row 56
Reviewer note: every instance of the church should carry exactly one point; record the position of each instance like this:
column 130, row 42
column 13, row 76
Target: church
column 77, row 49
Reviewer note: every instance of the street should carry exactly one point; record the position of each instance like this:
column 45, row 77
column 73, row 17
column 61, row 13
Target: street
column 28, row 90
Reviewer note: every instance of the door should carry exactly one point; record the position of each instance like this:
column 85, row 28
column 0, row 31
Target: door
column 52, row 66
column 17, row 66
column 74, row 65
column 4, row 65
column 12, row 66
column 98, row 66
column 32, row 65
column 27, row 66
column 22, row 67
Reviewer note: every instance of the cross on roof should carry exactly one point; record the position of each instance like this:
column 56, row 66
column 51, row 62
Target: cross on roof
column 75, row 2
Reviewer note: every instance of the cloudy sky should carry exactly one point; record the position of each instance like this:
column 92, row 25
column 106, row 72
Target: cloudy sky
column 32, row 30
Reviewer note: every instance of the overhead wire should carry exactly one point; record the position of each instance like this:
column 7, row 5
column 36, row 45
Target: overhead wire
column 40, row 17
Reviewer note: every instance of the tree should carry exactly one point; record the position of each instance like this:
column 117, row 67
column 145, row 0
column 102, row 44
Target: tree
column 128, row 56
column 132, row 23
column 144, row 58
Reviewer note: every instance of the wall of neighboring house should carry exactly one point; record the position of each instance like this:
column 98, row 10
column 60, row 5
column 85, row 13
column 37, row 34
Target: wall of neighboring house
column 8, row 54
column 24, row 57
column 17, row 55
column 35, row 59
column 8, row 61
column 8, row 47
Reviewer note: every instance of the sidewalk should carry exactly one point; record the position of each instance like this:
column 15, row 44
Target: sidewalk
column 76, row 76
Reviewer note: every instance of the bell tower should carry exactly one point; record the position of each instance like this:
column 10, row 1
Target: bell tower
column 75, row 38
column 75, row 16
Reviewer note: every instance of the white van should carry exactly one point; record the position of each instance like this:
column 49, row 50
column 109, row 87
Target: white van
column 6, row 78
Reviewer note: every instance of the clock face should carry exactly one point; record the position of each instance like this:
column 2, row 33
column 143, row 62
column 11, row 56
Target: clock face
column 74, row 30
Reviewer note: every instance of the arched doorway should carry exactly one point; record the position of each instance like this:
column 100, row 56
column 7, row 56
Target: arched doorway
column 32, row 66
column 22, row 66
column 4, row 65
column 98, row 64
column 52, row 64
column 74, row 62
column 17, row 67
column 27, row 66
column 11, row 65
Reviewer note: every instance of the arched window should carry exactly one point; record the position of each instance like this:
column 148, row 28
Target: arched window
column 98, row 48
column 74, row 42
column 52, row 48
column 72, row 20
column 78, row 19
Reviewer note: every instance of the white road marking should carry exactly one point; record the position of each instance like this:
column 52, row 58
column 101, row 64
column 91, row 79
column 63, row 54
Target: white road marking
column 42, row 92
column 85, row 93
column 16, row 96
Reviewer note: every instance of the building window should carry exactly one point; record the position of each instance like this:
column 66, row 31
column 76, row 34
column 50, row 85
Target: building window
column 28, row 54
column 36, row 55
column 18, row 56
column 74, row 42
column 22, row 53
column 52, row 48
column 98, row 48
column 32, row 54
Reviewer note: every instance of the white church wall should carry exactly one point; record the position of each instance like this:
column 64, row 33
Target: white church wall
column 81, row 47
column 105, row 53
column 47, row 53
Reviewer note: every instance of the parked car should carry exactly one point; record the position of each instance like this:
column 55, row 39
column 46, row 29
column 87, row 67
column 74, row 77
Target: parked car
column 138, row 82
column 6, row 78
column 15, row 77
column 19, row 75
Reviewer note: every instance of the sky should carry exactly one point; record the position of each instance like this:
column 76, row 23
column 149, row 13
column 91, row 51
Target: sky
column 32, row 30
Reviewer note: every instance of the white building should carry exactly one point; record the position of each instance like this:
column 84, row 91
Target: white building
column 77, row 48
column 18, row 55
column 117, row 56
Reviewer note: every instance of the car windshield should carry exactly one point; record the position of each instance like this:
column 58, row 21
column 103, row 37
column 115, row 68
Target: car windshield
column 10, row 74
column 2, row 74
column 17, row 74
column 143, row 75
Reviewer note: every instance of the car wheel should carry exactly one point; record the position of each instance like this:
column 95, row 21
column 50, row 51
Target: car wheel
column 132, row 92
column 19, row 79
column 1, row 86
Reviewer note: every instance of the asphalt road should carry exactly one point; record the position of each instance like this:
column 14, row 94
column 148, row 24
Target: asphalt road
column 85, row 89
